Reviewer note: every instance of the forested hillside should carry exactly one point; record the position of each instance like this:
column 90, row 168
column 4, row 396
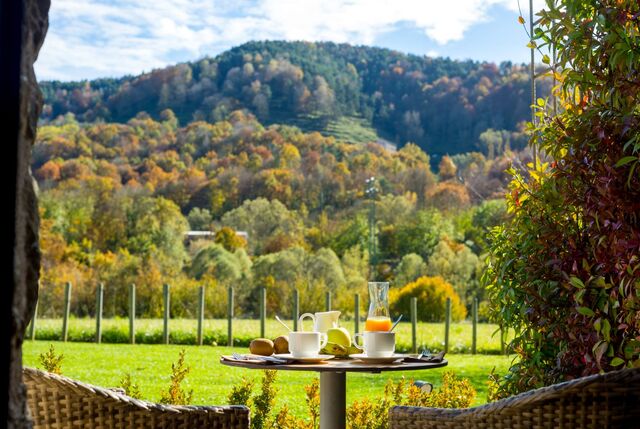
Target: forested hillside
column 117, row 198
column 439, row 104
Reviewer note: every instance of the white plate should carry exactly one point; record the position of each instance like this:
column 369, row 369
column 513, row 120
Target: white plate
column 310, row 359
column 369, row 359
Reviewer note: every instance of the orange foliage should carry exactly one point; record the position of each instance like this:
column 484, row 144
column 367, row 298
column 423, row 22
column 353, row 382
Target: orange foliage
column 49, row 171
column 447, row 169
column 448, row 196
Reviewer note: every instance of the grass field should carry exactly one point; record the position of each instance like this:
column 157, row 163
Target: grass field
column 183, row 331
column 150, row 366
column 351, row 129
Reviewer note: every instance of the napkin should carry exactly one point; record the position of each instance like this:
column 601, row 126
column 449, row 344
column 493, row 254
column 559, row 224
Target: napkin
column 264, row 360
column 437, row 358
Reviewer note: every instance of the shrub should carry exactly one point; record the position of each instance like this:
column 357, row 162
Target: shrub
column 312, row 392
column 130, row 388
column 51, row 361
column 176, row 394
column 454, row 393
column 264, row 401
column 284, row 420
column 241, row 393
column 564, row 272
column 261, row 404
column 432, row 293
column 364, row 414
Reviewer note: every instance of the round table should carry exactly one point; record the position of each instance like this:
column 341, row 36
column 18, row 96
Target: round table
column 333, row 390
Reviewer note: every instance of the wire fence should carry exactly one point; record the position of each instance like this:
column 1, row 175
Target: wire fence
column 187, row 335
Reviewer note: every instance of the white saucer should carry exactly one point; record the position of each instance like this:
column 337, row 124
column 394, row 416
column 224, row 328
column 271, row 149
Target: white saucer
column 369, row 359
column 309, row 359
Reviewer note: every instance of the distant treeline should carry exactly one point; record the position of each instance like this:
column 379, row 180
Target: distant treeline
column 440, row 104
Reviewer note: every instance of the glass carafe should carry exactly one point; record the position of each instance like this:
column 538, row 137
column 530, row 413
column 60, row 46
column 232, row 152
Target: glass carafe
column 378, row 318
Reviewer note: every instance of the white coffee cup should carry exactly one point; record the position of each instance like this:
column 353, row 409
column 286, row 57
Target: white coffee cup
column 306, row 344
column 377, row 343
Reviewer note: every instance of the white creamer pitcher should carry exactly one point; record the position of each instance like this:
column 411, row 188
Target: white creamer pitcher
column 322, row 321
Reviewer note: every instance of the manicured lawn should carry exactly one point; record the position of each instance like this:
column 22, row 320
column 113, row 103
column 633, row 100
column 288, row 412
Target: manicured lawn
column 183, row 331
column 150, row 366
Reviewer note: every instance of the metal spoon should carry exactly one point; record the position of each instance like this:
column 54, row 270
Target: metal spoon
column 396, row 323
column 283, row 324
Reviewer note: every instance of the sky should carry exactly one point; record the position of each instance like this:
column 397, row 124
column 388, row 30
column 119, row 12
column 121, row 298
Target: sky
column 88, row 39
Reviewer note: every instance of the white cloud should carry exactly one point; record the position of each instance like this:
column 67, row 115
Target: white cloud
column 90, row 38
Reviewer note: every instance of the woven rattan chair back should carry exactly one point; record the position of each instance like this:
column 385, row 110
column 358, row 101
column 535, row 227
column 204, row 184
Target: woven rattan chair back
column 55, row 401
column 609, row 400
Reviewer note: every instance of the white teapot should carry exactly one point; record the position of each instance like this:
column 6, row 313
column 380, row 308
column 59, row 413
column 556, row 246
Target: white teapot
column 322, row 321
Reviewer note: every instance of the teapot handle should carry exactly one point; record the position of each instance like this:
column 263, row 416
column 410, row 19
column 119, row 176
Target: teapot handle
column 306, row 315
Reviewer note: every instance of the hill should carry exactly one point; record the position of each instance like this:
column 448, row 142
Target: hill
column 116, row 199
column 355, row 92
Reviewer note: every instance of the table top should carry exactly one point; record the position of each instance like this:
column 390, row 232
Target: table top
column 340, row 365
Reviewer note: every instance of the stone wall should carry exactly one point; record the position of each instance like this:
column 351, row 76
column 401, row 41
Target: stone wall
column 26, row 251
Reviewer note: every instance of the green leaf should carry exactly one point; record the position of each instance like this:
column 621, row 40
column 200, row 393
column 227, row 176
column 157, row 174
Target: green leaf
column 616, row 361
column 633, row 168
column 576, row 282
column 546, row 59
column 626, row 160
column 631, row 349
column 586, row 311
column 606, row 329
column 631, row 141
column 600, row 349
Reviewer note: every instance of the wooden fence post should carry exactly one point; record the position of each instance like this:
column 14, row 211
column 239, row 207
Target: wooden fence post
column 167, row 313
column 357, row 313
column 230, row 317
column 474, row 330
column 414, row 325
column 327, row 301
column 67, row 307
column 296, row 308
column 263, row 311
column 200, row 314
column 99, row 297
column 132, row 313
column 32, row 326
column 447, row 325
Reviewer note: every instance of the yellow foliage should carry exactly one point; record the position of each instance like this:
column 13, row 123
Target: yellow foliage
column 432, row 293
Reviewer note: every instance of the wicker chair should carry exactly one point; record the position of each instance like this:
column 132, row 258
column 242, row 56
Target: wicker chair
column 60, row 402
column 610, row 400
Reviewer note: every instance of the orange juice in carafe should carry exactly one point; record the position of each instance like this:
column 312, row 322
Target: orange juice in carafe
column 378, row 318
column 377, row 324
